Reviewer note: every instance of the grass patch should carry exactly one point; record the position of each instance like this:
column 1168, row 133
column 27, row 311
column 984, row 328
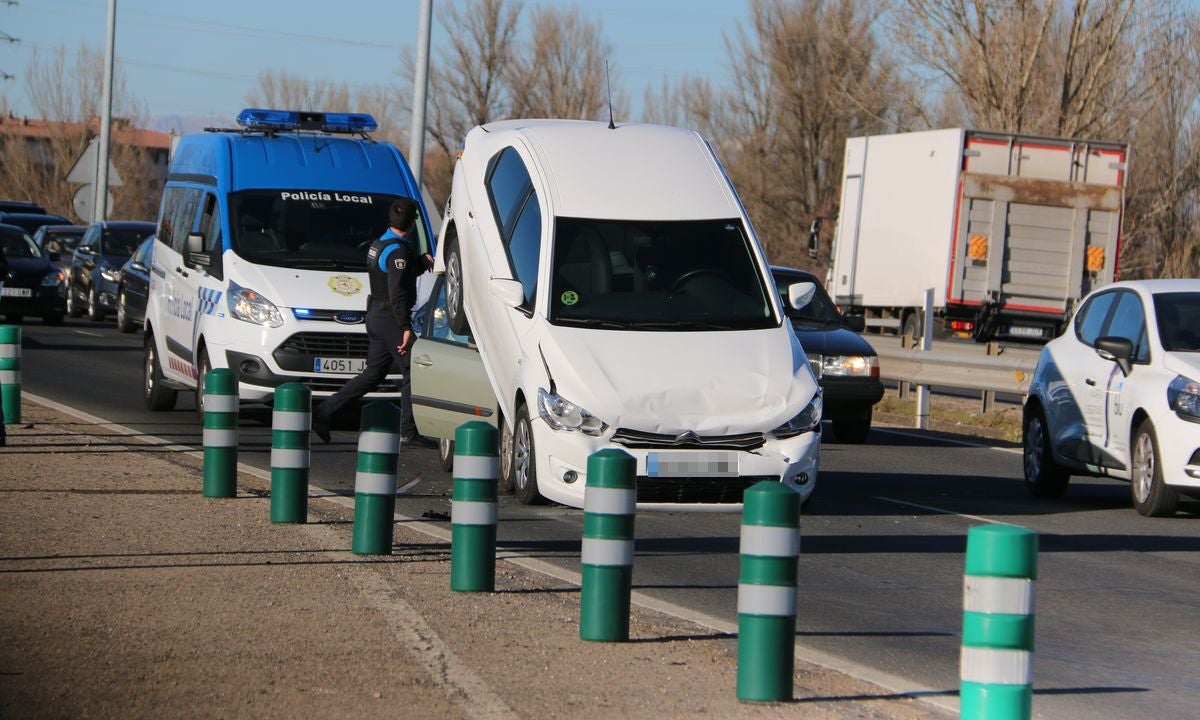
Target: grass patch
column 957, row 415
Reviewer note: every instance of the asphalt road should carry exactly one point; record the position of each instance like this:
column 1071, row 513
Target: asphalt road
column 882, row 550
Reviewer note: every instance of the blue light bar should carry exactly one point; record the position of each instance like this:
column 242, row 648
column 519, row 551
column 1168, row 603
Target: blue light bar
column 301, row 312
column 285, row 120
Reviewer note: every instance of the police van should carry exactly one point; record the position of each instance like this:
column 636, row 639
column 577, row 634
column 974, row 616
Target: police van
column 260, row 258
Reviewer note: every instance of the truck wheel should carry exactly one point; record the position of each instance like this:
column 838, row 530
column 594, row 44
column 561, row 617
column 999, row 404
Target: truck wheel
column 456, row 317
column 1043, row 477
column 1151, row 496
column 155, row 392
column 524, row 467
column 853, row 430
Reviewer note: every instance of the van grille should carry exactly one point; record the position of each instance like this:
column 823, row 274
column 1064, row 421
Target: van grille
column 330, row 344
column 696, row 489
column 638, row 439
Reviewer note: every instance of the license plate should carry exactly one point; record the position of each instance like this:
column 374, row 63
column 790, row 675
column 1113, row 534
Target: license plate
column 352, row 366
column 1026, row 331
column 692, row 464
column 16, row 292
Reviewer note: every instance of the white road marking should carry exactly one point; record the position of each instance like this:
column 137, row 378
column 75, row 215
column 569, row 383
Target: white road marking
column 89, row 334
column 941, row 511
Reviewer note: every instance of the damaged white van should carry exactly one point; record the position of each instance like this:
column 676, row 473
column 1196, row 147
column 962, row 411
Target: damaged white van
column 620, row 298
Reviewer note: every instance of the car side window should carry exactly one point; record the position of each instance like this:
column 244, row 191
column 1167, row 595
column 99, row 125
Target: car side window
column 518, row 217
column 91, row 237
column 1129, row 322
column 179, row 213
column 524, row 247
column 437, row 326
column 1090, row 320
column 508, row 184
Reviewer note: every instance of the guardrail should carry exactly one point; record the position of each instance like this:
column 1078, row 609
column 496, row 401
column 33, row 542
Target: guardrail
column 1008, row 373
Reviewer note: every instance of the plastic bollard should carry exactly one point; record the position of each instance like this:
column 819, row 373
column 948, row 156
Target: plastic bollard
column 220, row 433
column 770, row 545
column 996, row 668
column 10, row 373
column 291, row 422
column 609, row 508
column 473, row 509
column 375, row 479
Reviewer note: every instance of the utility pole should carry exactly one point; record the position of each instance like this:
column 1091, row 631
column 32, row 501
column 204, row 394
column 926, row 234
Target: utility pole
column 101, row 205
column 416, row 143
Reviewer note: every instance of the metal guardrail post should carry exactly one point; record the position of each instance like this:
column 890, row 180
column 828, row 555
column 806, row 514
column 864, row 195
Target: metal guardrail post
column 609, row 508
column 770, row 545
column 10, row 373
column 926, row 345
column 996, row 667
column 375, row 479
column 473, row 509
column 220, row 433
column 989, row 396
column 291, row 422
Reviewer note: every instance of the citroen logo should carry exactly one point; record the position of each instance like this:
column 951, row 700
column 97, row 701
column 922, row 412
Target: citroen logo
column 687, row 438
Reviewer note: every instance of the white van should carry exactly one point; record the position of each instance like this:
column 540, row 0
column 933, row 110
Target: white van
column 260, row 262
column 620, row 298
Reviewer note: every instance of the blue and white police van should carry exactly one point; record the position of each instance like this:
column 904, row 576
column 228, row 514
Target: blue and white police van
column 260, row 259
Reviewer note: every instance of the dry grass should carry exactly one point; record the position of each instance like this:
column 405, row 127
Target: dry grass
column 958, row 415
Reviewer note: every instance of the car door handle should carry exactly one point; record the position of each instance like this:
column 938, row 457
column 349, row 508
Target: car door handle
column 1090, row 381
column 423, row 360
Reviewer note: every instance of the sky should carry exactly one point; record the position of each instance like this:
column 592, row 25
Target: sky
column 201, row 58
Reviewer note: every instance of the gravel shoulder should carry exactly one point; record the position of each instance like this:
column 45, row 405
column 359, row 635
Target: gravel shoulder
column 125, row 593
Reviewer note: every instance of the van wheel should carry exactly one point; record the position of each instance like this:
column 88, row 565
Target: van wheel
column 456, row 317
column 524, row 468
column 506, row 457
column 1043, row 477
column 202, row 368
column 1151, row 496
column 123, row 322
column 155, row 392
column 73, row 308
column 446, row 453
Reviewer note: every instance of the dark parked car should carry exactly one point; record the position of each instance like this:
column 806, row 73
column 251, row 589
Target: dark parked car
column 34, row 285
column 845, row 364
column 134, row 287
column 96, row 267
column 30, row 222
column 61, row 239
column 20, row 206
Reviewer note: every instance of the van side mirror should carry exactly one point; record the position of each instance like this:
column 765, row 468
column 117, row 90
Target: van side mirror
column 814, row 238
column 801, row 294
column 857, row 323
column 509, row 292
column 194, row 251
column 1118, row 350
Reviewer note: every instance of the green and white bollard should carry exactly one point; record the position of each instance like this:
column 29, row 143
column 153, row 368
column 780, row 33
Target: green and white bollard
column 473, row 509
column 10, row 373
column 291, row 422
column 609, row 508
column 375, row 480
column 220, row 433
column 770, row 545
column 998, row 610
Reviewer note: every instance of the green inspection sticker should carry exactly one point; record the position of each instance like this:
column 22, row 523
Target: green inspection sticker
column 570, row 297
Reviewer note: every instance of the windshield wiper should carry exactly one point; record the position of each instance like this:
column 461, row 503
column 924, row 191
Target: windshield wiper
column 319, row 264
column 685, row 325
column 595, row 322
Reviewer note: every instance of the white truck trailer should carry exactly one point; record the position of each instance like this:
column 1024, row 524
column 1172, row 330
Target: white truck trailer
column 1010, row 231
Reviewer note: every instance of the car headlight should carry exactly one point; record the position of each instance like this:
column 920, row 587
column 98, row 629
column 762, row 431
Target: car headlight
column 1183, row 395
column 53, row 279
column 850, row 366
column 562, row 414
column 808, row 420
column 110, row 274
column 245, row 304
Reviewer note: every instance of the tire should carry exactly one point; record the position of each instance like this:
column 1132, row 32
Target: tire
column 506, row 458
column 524, row 467
column 124, row 324
column 202, row 368
column 73, row 308
column 53, row 320
column 155, row 392
column 455, row 315
column 94, row 313
column 1043, row 477
column 446, row 453
column 853, row 430
column 1151, row 496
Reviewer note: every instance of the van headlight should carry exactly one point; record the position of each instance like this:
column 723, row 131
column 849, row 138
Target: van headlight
column 245, row 304
column 562, row 414
column 850, row 366
column 1183, row 395
column 808, row 420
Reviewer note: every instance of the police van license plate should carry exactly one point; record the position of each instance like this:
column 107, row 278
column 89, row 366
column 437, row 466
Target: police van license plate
column 16, row 292
column 352, row 366
column 692, row 464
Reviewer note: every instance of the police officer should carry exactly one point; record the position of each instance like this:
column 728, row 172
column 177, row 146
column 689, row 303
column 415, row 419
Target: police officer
column 394, row 262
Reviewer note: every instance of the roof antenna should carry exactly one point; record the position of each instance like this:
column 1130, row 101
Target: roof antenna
column 608, row 81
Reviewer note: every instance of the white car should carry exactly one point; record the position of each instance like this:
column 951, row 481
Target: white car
column 620, row 299
column 1118, row 395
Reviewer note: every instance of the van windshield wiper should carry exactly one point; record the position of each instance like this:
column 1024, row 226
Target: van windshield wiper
column 320, row 264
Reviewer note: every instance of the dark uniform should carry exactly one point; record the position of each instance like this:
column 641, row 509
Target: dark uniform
column 393, row 264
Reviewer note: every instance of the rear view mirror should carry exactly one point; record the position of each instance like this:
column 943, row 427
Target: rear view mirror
column 194, row 251
column 1116, row 349
column 509, row 292
column 801, row 294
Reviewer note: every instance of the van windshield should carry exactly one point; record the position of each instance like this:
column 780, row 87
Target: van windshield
column 309, row 229
column 657, row 275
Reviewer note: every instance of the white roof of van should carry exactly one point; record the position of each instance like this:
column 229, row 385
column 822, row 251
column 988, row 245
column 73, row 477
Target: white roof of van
column 634, row 172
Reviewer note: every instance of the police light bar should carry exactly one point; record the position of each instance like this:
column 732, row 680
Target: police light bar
column 284, row 120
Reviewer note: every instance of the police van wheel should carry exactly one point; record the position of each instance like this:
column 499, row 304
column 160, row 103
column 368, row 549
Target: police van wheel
column 155, row 391
column 524, row 469
column 202, row 368
column 457, row 318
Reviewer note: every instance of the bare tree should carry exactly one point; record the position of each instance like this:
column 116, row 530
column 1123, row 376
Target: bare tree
column 283, row 89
